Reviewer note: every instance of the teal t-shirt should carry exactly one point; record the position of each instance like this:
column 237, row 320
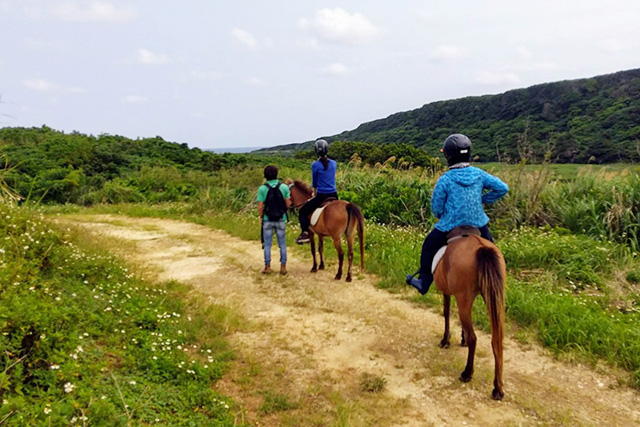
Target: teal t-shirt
column 263, row 190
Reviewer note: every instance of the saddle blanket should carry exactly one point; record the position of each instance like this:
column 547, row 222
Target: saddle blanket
column 437, row 258
column 316, row 215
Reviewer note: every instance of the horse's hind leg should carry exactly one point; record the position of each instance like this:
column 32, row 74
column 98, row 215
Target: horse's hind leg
column 338, row 245
column 312, row 244
column 447, row 308
column 350, row 240
column 321, row 251
column 464, row 309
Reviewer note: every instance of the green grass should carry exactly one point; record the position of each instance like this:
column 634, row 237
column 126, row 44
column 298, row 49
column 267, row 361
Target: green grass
column 559, row 284
column 84, row 341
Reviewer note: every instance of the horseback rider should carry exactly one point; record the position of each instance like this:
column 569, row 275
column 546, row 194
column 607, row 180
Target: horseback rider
column 323, row 172
column 457, row 200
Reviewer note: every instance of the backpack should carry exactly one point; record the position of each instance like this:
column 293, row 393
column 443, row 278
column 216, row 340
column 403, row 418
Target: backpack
column 274, row 204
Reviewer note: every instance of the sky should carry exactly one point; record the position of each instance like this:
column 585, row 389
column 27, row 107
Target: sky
column 214, row 73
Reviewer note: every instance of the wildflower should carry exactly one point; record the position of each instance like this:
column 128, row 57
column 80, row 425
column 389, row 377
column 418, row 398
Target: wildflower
column 5, row 402
column 53, row 367
column 47, row 409
column 103, row 397
column 68, row 387
column 132, row 382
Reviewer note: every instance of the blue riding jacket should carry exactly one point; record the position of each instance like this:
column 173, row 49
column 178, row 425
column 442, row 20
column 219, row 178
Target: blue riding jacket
column 459, row 194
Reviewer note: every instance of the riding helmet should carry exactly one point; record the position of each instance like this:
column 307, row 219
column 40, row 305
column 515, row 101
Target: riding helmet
column 321, row 147
column 457, row 149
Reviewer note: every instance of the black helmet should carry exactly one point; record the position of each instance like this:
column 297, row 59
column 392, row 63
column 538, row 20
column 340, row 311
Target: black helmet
column 321, row 147
column 457, row 148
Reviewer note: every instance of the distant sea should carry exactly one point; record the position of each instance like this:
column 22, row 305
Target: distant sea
column 235, row 149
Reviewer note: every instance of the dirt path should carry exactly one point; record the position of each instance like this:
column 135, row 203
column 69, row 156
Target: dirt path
column 312, row 339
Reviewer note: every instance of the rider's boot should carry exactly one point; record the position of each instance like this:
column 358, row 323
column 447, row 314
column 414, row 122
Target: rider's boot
column 267, row 269
column 283, row 269
column 418, row 283
column 303, row 238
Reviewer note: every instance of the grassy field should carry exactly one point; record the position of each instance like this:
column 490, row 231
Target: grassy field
column 569, row 234
column 575, row 294
column 86, row 342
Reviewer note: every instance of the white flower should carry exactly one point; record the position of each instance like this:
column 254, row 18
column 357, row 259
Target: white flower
column 53, row 367
column 5, row 402
column 132, row 382
column 68, row 387
column 47, row 410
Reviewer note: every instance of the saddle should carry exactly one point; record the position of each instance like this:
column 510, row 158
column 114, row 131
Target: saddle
column 316, row 214
column 455, row 234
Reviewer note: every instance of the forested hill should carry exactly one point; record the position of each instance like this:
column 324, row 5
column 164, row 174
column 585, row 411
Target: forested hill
column 586, row 120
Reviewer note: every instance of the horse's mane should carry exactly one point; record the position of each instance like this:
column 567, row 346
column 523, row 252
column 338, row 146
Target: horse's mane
column 302, row 186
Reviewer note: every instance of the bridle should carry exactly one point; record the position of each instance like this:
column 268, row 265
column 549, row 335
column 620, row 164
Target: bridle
column 301, row 204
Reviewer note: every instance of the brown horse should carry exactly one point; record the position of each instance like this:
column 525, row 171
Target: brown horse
column 337, row 218
column 471, row 266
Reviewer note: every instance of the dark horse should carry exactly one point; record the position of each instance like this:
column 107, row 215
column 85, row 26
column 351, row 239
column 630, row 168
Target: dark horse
column 471, row 266
column 338, row 217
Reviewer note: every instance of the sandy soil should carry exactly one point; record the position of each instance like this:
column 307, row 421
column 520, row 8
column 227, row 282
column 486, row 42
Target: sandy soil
column 315, row 338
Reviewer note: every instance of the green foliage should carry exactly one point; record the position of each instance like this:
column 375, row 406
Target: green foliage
column 587, row 120
column 372, row 384
column 274, row 402
column 82, row 337
column 400, row 156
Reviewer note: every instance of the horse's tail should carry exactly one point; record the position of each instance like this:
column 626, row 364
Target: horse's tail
column 354, row 212
column 491, row 280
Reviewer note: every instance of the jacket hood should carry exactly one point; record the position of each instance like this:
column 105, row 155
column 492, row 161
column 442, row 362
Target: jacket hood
column 465, row 176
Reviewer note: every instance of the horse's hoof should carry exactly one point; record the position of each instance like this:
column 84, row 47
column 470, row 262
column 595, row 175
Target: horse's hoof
column 313, row 270
column 465, row 378
column 338, row 277
column 444, row 344
column 497, row 394
column 348, row 278
column 463, row 344
column 321, row 267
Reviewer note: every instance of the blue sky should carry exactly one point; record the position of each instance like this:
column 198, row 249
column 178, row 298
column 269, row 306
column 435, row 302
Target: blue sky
column 254, row 73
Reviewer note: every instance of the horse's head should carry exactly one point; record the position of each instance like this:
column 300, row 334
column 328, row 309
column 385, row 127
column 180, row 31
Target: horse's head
column 300, row 193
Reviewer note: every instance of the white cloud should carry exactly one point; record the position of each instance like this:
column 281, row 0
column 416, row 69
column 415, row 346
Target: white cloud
column 448, row 53
column 203, row 75
column 524, row 53
column 95, row 11
column 245, row 37
column 496, row 78
column 43, row 85
column 611, row 46
column 78, row 90
column 340, row 26
column 255, row 81
column 135, row 99
column 39, row 85
column 308, row 44
column 147, row 57
column 336, row 69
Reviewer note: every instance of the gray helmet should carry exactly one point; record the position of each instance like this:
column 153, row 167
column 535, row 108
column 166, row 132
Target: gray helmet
column 321, row 147
column 457, row 148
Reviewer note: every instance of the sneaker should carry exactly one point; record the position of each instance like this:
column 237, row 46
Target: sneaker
column 283, row 269
column 417, row 283
column 303, row 238
column 267, row 269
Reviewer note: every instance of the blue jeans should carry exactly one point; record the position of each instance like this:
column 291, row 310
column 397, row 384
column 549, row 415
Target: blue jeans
column 268, row 227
